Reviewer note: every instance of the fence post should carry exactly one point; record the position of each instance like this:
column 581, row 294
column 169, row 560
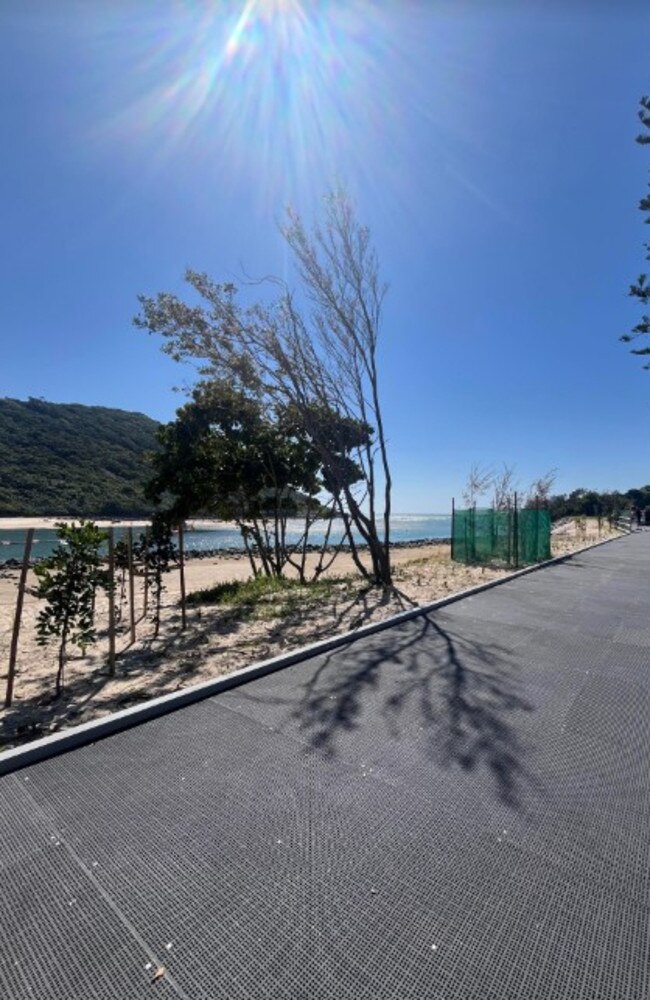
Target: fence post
column 13, row 653
column 515, row 533
column 473, row 533
column 129, row 544
column 453, row 526
column 181, row 559
column 111, row 603
column 493, row 532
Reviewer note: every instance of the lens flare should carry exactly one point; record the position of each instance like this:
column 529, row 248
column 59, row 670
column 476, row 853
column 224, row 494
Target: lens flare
column 282, row 99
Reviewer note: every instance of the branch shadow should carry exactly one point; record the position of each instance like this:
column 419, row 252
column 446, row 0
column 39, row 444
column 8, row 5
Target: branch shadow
column 42, row 714
column 160, row 665
column 424, row 681
column 347, row 614
column 459, row 696
column 175, row 659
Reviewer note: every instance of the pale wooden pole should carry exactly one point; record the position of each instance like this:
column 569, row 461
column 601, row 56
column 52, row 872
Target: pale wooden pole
column 145, row 607
column 181, row 560
column 13, row 653
column 111, row 603
column 129, row 543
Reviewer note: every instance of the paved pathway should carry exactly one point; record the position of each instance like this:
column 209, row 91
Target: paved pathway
column 455, row 808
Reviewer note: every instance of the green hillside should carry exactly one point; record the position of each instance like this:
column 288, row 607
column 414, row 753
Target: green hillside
column 64, row 458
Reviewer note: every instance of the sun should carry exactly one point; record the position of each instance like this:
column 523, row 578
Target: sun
column 282, row 95
column 264, row 16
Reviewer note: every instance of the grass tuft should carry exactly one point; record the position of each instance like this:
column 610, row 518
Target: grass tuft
column 238, row 592
column 265, row 590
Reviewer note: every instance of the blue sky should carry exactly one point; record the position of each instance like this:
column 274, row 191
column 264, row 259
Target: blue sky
column 489, row 146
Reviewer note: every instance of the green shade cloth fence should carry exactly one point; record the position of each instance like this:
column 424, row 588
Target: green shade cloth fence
column 510, row 537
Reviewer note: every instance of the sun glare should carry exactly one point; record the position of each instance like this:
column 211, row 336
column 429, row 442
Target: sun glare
column 268, row 19
column 267, row 12
column 287, row 96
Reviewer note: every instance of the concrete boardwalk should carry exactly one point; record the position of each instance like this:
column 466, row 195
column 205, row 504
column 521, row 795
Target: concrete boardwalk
column 455, row 808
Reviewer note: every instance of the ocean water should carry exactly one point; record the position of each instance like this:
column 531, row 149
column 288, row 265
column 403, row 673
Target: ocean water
column 404, row 528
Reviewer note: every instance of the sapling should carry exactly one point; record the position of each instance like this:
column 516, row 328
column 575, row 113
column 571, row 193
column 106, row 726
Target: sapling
column 478, row 483
column 67, row 581
column 155, row 552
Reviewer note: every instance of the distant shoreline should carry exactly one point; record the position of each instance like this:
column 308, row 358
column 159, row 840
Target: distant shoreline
column 10, row 556
column 191, row 523
column 48, row 523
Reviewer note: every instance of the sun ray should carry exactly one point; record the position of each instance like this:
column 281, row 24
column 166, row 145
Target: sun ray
column 283, row 97
column 232, row 45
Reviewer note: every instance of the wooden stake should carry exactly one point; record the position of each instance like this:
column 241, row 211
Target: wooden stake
column 13, row 653
column 181, row 560
column 111, row 603
column 145, row 607
column 129, row 544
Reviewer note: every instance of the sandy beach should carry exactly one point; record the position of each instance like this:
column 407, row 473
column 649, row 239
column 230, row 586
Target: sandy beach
column 219, row 638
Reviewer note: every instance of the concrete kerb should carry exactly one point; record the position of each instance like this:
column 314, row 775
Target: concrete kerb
column 90, row 732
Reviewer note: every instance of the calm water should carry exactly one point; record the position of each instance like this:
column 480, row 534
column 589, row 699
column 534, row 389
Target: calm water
column 404, row 528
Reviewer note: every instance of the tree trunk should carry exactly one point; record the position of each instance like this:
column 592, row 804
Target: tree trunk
column 388, row 482
column 60, row 671
column 158, row 585
column 257, row 538
column 244, row 534
column 354, row 552
column 379, row 554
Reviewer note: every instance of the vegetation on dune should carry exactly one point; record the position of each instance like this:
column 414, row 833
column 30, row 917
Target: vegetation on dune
column 591, row 503
column 267, row 599
column 502, row 490
column 499, row 489
column 69, row 459
column 235, row 593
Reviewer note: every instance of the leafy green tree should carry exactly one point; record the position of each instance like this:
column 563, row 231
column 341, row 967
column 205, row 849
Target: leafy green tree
column 317, row 358
column 230, row 456
column 339, row 441
column 591, row 503
column 641, row 288
column 67, row 581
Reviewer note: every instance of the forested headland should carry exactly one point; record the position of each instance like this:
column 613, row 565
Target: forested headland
column 69, row 459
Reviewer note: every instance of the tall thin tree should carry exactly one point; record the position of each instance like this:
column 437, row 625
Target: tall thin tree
column 640, row 289
column 315, row 351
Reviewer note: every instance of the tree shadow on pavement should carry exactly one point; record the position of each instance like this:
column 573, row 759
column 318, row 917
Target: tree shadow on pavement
column 228, row 637
column 425, row 684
